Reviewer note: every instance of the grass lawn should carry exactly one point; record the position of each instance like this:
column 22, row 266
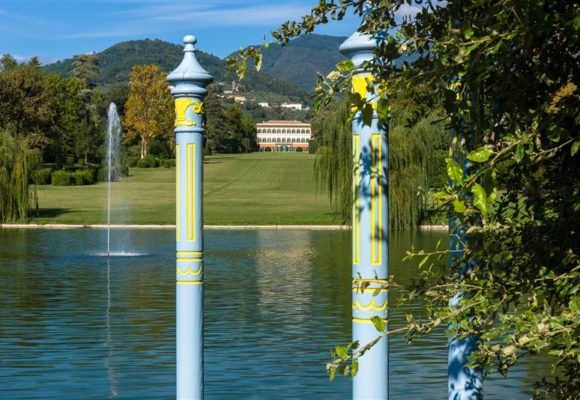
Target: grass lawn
column 257, row 188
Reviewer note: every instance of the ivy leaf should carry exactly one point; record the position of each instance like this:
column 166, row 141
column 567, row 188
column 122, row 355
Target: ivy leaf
column 367, row 114
column 341, row 351
column 480, row 155
column 454, row 171
column 459, row 206
column 379, row 323
column 258, row 61
column 345, row 66
column 575, row 148
column 354, row 368
column 519, row 154
column 383, row 109
column 480, row 199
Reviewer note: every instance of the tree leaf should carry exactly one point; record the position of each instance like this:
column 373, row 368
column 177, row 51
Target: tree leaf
column 454, row 171
column 341, row 351
column 459, row 206
column 480, row 199
column 354, row 368
column 379, row 323
column 480, row 155
column 345, row 66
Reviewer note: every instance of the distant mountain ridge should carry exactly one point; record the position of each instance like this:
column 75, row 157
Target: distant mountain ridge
column 303, row 59
column 289, row 71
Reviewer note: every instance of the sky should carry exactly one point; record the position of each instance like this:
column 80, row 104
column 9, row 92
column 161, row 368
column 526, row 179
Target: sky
column 58, row 29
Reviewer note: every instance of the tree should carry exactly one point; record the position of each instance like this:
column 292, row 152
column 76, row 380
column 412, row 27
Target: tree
column 86, row 68
column 149, row 108
column 25, row 104
column 17, row 163
column 7, row 62
column 413, row 151
column 506, row 72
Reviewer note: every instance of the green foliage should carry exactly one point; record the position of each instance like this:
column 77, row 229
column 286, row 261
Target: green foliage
column 229, row 128
column 71, row 178
column 83, row 177
column 506, row 72
column 168, row 163
column 63, row 178
column 42, row 176
column 132, row 161
column 85, row 68
column 17, row 161
column 412, row 152
column 147, row 162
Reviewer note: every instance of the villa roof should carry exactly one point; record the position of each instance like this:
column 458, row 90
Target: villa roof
column 283, row 123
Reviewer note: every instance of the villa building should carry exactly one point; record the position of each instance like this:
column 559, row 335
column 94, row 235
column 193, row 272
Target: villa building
column 284, row 135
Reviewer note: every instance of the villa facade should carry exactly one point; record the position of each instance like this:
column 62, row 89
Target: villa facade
column 284, row 135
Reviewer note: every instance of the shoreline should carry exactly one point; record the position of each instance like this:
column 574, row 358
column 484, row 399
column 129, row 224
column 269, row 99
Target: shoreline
column 206, row 227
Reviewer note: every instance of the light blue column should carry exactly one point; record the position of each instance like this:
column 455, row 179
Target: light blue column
column 464, row 383
column 369, row 229
column 188, row 82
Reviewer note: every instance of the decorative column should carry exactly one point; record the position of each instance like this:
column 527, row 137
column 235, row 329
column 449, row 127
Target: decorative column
column 369, row 229
column 188, row 83
column 464, row 383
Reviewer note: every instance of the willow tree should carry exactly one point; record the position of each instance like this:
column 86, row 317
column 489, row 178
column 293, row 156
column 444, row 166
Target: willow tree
column 413, row 146
column 149, row 109
column 17, row 161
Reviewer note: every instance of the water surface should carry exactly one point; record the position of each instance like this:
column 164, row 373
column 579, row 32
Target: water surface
column 74, row 324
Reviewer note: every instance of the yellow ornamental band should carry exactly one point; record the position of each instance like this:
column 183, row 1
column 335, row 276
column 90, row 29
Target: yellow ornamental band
column 360, row 85
column 182, row 104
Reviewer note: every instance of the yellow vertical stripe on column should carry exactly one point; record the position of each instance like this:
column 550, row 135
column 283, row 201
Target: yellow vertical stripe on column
column 376, row 199
column 177, row 193
column 190, row 206
column 356, row 206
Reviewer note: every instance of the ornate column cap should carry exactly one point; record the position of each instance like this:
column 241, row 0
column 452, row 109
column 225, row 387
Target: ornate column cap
column 358, row 47
column 189, row 77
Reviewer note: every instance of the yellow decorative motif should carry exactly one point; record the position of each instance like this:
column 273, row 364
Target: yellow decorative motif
column 356, row 205
column 189, row 259
column 360, row 85
column 189, row 282
column 182, row 104
column 370, row 306
column 189, row 271
column 364, row 320
column 190, row 195
column 189, row 254
column 376, row 199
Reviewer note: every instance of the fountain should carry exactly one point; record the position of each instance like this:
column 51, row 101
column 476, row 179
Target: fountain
column 113, row 164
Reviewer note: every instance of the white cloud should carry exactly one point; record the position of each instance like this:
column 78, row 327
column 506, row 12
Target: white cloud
column 220, row 13
column 106, row 33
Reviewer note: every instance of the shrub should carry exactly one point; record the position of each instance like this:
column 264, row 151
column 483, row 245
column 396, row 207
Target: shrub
column 83, row 177
column 268, row 149
column 42, row 176
column 168, row 163
column 299, row 149
column 132, row 161
column 62, row 178
column 312, row 146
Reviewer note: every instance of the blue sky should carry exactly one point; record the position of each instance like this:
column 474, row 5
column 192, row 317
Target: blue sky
column 57, row 29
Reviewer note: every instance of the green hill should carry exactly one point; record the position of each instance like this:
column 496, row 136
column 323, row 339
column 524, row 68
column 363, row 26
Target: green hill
column 303, row 59
column 116, row 63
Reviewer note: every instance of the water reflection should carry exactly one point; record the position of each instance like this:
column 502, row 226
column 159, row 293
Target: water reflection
column 77, row 326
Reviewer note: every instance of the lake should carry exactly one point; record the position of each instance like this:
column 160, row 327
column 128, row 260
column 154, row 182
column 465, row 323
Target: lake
column 75, row 325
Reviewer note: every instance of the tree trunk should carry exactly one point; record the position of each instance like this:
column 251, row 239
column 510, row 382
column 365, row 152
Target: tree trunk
column 143, row 147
